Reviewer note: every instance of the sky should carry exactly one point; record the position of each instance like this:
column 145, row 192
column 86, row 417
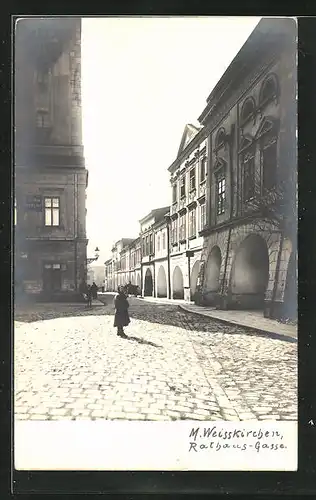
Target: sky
column 143, row 80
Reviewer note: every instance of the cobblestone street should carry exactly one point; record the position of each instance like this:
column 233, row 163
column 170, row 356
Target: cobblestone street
column 174, row 365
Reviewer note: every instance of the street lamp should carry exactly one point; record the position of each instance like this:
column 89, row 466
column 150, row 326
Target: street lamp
column 93, row 259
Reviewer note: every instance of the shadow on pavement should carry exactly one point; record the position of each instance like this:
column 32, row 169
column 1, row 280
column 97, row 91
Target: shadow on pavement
column 142, row 341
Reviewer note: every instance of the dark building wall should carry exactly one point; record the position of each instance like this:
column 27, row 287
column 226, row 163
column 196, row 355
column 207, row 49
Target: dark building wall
column 49, row 160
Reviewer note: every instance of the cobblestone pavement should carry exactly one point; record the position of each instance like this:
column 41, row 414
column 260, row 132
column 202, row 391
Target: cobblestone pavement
column 174, row 365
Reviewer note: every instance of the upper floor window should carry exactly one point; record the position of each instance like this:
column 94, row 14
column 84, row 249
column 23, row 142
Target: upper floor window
column 192, row 223
column 192, row 179
column 248, row 171
column 202, row 216
column 182, row 187
column 52, row 211
column 151, row 247
column 203, row 164
column 269, row 162
column 182, row 228
column 158, row 243
column 42, row 119
column 269, row 89
column 220, row 192
column 174, row 231
column 174, row 193
column 247, row 110
column 163, row 241
column 220, row 138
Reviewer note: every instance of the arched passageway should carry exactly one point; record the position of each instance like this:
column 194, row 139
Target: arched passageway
column 177, row 284
column 194, row 277
column 148, row 285
column 290, row 290
column 161, row 283
column 212, row 272
column 250, row 274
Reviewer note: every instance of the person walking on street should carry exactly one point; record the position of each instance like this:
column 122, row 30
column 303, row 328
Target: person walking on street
column 89, row 296
column 94, row 289
column 121, row 317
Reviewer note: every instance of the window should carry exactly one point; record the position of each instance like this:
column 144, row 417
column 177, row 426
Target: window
column 221, row 193
column 174, row 193
column 182, row 187
column 151, row 247
column 203, row 169
column 268, row 163
column 202, row 216
column 42, row 119
column 182, row 228
column 52, row 210
column 248, row 176
column 192, row 179
column 269, row 89
column 220, row 138
column 174, row 231
column 192, row 223
column 247, row 110
column 163, row 241
column 158, row 243
column 15, row 212
column 147, row 246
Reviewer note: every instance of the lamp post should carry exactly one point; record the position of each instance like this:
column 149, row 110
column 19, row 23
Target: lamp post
column 96, row 256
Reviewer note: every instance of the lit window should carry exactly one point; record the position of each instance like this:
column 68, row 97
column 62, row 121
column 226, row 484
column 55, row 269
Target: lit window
column 52, row 209
column 221, row 193
column 15, row 212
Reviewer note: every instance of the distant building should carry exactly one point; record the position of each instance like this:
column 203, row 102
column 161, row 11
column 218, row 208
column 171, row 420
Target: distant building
column 95, row 274
column 148, row 227
column 116, row 271
column 50, row 174
column 188, row 212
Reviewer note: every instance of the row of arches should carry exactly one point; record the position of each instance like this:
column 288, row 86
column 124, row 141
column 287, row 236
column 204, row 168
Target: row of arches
column 247, row 277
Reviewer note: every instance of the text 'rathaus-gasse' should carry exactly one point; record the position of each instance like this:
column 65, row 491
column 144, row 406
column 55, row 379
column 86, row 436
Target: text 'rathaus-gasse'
column 228, row 238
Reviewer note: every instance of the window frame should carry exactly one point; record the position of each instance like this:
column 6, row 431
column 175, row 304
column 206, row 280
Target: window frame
column 182, row 187
column 249, row 155
column 51, row 210
column 192, row 179
column 221, row 186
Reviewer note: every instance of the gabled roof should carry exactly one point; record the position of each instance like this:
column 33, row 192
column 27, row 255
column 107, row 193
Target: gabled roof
column 157, row 213
column 189, row 132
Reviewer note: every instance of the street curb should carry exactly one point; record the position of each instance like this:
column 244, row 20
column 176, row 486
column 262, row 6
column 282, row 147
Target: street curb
column 261, row 332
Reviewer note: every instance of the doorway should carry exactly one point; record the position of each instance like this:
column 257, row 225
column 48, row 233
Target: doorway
column 52, row 277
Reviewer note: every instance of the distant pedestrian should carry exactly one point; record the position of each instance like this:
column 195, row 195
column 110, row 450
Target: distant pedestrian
column 121, row 317
column 89, row 296
column 83, row 290
column 94, row 289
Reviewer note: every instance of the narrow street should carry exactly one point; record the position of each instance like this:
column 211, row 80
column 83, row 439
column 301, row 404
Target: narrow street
column 174, row 365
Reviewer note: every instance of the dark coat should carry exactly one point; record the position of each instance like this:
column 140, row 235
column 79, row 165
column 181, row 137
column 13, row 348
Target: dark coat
column 94, row 290
column 121, row 317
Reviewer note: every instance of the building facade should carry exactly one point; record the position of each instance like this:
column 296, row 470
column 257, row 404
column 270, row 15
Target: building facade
column 188, row 212
column 148, row 229
column 249, row 252
column 50, row 174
